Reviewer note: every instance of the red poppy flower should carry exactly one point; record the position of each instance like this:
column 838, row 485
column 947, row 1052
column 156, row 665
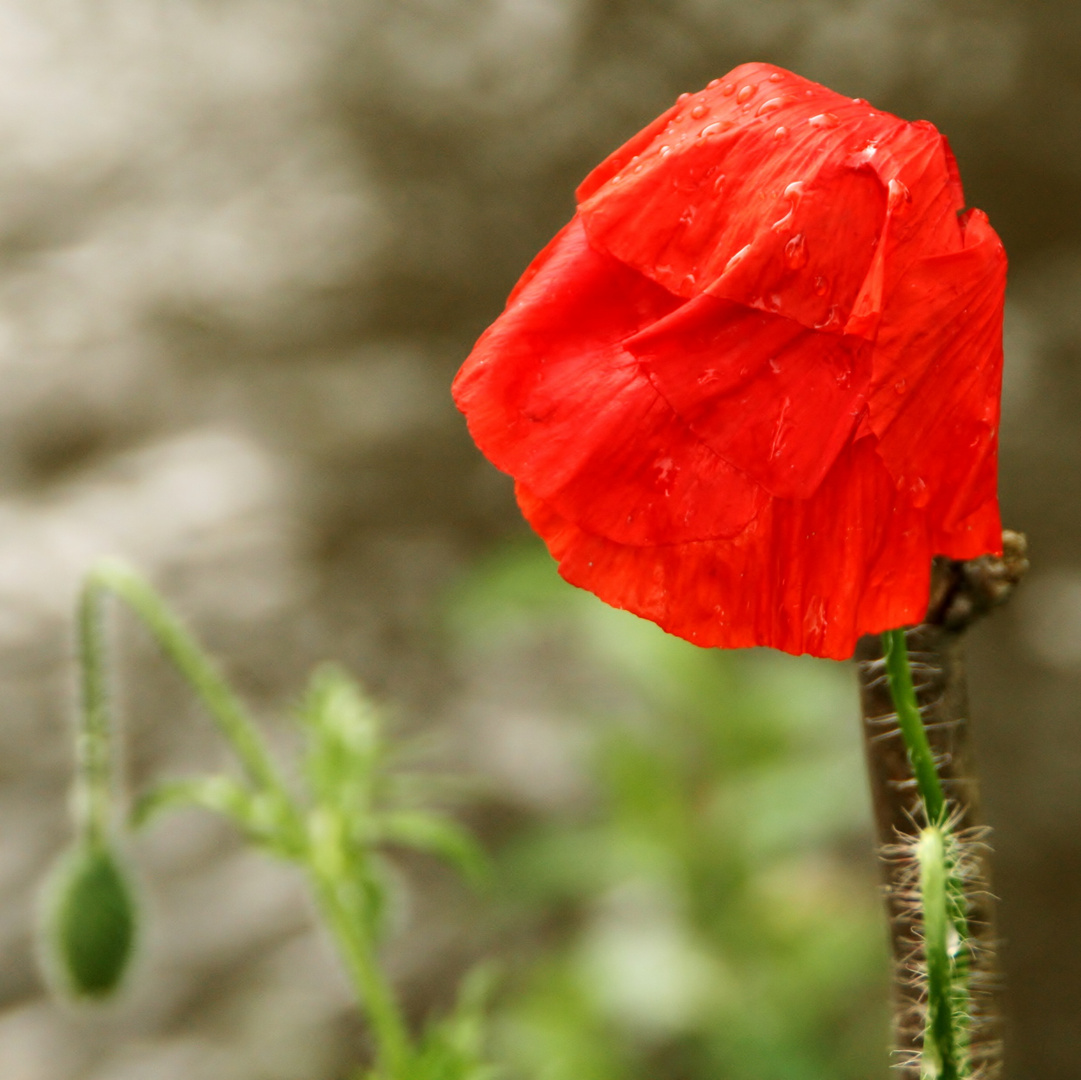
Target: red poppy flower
column 753, row 386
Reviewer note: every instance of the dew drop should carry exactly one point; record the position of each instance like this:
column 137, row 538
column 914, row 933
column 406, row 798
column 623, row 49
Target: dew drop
column 795, row 252
column 727, row 89
column 719, row 182
column 774, row 365
column 792, row 193
column 898, row 198
column 859, row 101
column 698, row 112
column 771, row 105
column 682, row 97
column 715, row 128
column 738, row 257
column 781, row 132
column 824, row 120
column 689, row 281
column 664, row 151
column 745, row 94
column 832, row 320
column 779, row 434
column 821, row 286
column 688, row 215
column 713, row 84
column 776, row 77
column 899, row 386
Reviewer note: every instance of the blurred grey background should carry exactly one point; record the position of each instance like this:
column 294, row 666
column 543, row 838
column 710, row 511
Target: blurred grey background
column 244, row 245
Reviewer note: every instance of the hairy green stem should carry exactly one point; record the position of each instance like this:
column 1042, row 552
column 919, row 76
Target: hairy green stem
column 93, row 742
column 181, row 648
column 372, row 990
column 912, row 731
column 940, row 1050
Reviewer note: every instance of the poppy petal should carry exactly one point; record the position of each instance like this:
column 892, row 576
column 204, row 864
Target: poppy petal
column 937, row 372
column 716, row 200
column 775, row 399
column 838, row 567
column 553, row 398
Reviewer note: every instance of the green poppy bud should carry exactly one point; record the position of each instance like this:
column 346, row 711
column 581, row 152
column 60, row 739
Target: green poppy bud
column 90, row 924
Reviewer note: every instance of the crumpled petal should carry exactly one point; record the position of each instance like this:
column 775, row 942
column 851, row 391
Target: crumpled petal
column 768, row 395
column 806, row 576
column 934, row 405
column 553, row 398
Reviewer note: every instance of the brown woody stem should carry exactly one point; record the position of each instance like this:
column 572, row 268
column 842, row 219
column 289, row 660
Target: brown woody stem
column 960, row 593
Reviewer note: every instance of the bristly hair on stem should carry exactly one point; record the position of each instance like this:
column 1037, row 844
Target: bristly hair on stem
column 934, row 696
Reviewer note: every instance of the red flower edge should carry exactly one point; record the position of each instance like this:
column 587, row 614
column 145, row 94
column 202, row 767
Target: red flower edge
column 753, row 386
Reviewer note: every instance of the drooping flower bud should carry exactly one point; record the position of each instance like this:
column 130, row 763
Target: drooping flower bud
column 90, row 923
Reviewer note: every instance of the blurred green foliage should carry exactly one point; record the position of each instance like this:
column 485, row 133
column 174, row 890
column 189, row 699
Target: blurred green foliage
column 709, row 909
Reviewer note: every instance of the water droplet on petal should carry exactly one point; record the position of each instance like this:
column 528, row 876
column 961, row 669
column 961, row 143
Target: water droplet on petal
column 715, row 128
column 771, row 105
column 781, row 132
column 774, row 365
column 739, row 256
column 688, row 215
column 832, row 320
column 792, row 193
column 719, row 182
column 899, row 386
column 745, row 94
column 859, row 101
column 795, row 252
column 713, row 84
column 776, row 77
column 682, row 97
column 689, row 281
column 699, row 111
column 664, row 151
column 898, row 198
column 727, row 89
column 824, row 120
column 822, row 286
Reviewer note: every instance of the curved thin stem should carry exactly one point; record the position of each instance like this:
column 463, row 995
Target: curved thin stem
column 181, row 648
column 93, row 741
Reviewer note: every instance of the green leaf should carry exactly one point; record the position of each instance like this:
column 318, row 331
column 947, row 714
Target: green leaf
column 264, row 818
column 439, row 836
